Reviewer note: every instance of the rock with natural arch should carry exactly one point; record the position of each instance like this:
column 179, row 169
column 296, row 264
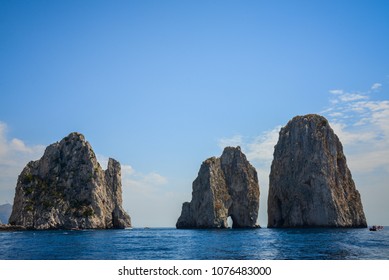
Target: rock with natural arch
column 225, row 187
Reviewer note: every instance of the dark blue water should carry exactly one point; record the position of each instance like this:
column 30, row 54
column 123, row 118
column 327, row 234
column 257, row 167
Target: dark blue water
column 172, row 244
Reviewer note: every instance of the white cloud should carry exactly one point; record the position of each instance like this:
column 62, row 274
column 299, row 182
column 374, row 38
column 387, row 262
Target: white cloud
column 155, row 179
column 16, row 148
column 336, row 114
column 127, row 169
column 376, row 86
column 363, row 127
column 347, row 97
column 103, row 161
column 18, row 145
column 259, row 149
column 149, row 198
column 262, row 148
column 140, row 182
column 14, row 155
column 141, row 191
column 236, row 140
column 336, row 91
column 350, row 137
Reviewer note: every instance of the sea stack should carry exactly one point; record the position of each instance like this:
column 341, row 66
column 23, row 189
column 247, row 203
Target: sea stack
column 310, row 184
column 225, row 187
column 68, row 189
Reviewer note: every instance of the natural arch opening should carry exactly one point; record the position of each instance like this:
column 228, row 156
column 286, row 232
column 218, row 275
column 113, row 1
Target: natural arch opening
column 230, row 222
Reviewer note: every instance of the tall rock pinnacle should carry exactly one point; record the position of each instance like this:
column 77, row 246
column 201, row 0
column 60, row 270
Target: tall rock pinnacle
column 310, row 184
column 67, row 189
column 225, row 187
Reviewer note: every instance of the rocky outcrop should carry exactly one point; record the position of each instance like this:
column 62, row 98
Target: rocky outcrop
column 225, row 187
column 7, row 227
column 68, row 189
column 310, row 184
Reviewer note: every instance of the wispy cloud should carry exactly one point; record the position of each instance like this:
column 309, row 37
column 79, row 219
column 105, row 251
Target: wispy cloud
column 150, row 198
column 336, row 91
column 342, row 96
column 140, row 182
column 145, row 194
column 258, row 149
column 362, row 125
column 14, row 155
column 137, row 181
column 236, row 140
column 376, row 86
column 14, row 147
column 262, row 147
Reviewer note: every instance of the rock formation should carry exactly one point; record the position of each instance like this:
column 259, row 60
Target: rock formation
column 8, row 227
column 225, row 187
column 68, row 189
column 310, row 184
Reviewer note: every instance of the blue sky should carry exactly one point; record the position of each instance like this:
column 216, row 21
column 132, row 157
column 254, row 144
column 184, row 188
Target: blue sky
column 163, row 85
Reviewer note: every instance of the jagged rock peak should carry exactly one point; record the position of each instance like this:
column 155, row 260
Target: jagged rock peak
column 225, row 187
column 67, row 188
column 310, row 184
column 75, row 136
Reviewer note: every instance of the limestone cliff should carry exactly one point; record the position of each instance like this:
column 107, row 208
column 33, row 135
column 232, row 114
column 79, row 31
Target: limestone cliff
column 310, row 184
column 68, row 189
column 225, row 186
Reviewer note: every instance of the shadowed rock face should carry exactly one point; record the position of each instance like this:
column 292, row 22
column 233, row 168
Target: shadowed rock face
column 225, row 187
column 67, row 189
column 310, row 184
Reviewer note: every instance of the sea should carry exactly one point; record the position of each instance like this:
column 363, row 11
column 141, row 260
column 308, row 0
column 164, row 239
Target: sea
column 174, row 244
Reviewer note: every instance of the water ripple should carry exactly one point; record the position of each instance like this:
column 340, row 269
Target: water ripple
column 169, row 243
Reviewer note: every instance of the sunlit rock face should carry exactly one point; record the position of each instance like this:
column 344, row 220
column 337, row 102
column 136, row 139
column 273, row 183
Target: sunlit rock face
column 68, row 189
column 225, row 187
column 310, row 184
